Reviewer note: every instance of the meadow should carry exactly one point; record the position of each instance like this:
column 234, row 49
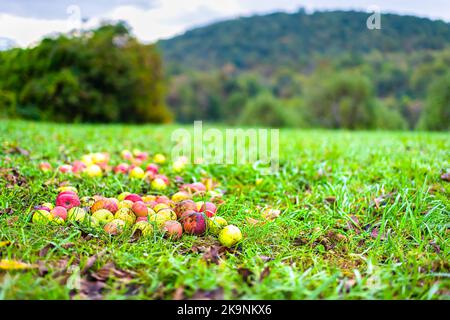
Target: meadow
column 364, row 215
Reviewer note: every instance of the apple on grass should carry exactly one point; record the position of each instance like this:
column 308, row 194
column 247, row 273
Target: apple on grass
column 42, row 217
column 115, row 227
column 137, row 173
column 145, row 228
column 140, row 209
column 158, row 184
column 194, row 223
column 45, row 166
column 230, row 235
column 126, row 215
column 133, row 197
column 59, row 212
column 103, row 216
column 67, row 199
column 94, row 171
column 172, row 229
column 216, row 224
column 76, row 214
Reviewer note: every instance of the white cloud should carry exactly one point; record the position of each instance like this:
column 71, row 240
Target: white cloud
column 152, row 20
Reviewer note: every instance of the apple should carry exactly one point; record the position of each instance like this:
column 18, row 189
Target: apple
column 78, row 166
column 184, row 206
column 162, row 199
column 121, row 168
column 199, row 205
column 126, row 215
column 158, row 184
column 87, row 201
column 152, row 168
column 169, row 213
column 59, row 212
column 140, row 209
column 140, row 155
column 68, row 200
column 180, row 196
column 87, row 160
column 42, row 207
column 137, row 173
column 114, row 227
column 123, row 195
column 126, row 154
column 107, row 204
column 45, row 166
column 160, row 206
column 159, row 158
column 125, row 204
column 139, row 219
column 103, row 216
column 77, row 214
column 209, row 209
column 48, row 205
column 194, row 223
column 172, row 229
column 65, row 168
column 216, row 224
column 144, row 227
column 42, row 217
column 148, row 198
column 163, row 178
column 230, row 235
column 178, row 166
column 67, row 188
column 94, row 171
column 133, row 197
column 158, row 219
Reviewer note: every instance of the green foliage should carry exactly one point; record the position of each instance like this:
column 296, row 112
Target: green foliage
column 343, row 100
column 436, row 115
column 265, row 110
column 283, row 39
column 101, row 75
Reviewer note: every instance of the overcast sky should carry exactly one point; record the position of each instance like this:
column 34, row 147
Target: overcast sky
column 27, row 21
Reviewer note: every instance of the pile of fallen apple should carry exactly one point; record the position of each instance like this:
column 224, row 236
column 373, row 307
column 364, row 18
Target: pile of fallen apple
column 97, row 164
column 146, row 215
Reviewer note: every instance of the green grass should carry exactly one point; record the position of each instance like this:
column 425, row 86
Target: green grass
column 313, row 252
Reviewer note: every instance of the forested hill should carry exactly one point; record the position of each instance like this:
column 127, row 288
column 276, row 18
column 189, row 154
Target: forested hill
column 292, row 39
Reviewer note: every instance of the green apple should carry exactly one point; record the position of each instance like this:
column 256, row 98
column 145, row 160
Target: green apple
column 103, row 216
column 76, row 214
column 216, row 224
column 42, row 217
column 230, row 235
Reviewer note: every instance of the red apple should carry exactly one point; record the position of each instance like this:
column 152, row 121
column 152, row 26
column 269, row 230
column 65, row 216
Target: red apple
column 194, row 223
column 67, row 199
column 163, row 178
column 121, row 168
column 65, row 168
column 162, row 199
column 45, row 166
column 141, row 219
column 59, row 212
column 107, row 204
column 209, row 209
column 184, row 206
column 78, row 166
column 172, row 229
column 133, row 197
column 153, row 168
column 140, row 209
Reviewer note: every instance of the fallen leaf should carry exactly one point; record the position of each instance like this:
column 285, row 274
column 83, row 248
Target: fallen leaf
column 330, row 199
column 178, row 294
column 265, row 258
column 216, row 294
column 8, row 211
column 265, row 273
column 246, row 275
column 446, row 176
column 18, row 150
column 43, row 252
column 270, row 214
column 11, row 221
column 253, row 221
column 91, row 290
column 91, row 261
column 109, row 270
column 435, row 246
column 13, row 177
column 9, row 265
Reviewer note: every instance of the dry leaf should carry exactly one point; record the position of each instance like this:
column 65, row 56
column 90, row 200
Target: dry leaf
column 446, row 177
column 216, row 294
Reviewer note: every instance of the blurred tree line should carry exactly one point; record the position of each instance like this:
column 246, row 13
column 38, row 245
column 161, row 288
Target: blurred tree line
column 102, row 75
column 377, row 91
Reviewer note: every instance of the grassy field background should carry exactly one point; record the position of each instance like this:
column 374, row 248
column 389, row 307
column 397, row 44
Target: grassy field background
column 365, row 215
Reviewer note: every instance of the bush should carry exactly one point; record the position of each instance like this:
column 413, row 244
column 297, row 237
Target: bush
column 103, row 75
column 265, row 110
column 436, row 113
